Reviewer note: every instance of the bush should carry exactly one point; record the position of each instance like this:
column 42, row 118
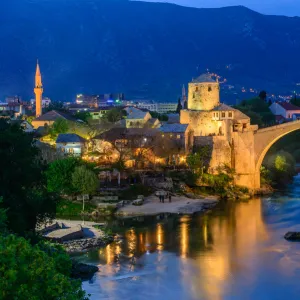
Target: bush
column 36, row 272
column 70, row 208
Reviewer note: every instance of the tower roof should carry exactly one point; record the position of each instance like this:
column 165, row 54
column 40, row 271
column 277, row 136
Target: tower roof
column 38, row 71
column 206, row 77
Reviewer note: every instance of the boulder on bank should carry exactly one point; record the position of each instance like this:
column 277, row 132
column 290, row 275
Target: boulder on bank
column 83, row 271
column 292, row 236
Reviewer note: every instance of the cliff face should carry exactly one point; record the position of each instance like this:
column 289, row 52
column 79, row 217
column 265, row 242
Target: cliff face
column 141, row 49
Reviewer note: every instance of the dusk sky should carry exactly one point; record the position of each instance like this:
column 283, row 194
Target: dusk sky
column 278, row 7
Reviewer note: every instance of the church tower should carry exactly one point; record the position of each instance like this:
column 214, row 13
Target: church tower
column 38, row 90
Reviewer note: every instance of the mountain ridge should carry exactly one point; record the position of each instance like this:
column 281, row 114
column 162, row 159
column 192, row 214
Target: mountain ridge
column 142, row 49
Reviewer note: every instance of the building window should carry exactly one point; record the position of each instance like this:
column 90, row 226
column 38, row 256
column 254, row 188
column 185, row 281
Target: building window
column 217, row 115
column 209, row 88
column 196, row 89
column 223, row 114
column 178, row 136
column 71, row 150
column 230, row 114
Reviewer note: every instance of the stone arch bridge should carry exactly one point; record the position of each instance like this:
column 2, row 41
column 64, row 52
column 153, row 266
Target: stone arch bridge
column 250, row 149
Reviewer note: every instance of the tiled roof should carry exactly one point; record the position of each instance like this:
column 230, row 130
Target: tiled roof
column 53, row 115
column 204, row 78
column 121, row 133
column 288, row 106
column 69, row 138
column 223, row 107
column 238, row 115
column 176, row 127
column 134, row 113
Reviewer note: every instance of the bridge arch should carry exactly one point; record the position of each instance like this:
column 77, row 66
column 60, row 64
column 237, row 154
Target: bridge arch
column 265, row 138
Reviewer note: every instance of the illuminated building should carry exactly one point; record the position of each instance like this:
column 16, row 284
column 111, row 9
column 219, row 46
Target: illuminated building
column 38, row 90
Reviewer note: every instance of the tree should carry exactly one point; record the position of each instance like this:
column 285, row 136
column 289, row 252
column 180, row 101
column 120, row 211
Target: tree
column 36, row 272
column 199, row 160
column 22, row 182
column 179, row 106
column 83, row 116
column 263, row 95
column 84, row 180
column 59, row 126
column 59, row 173
column 115, row 114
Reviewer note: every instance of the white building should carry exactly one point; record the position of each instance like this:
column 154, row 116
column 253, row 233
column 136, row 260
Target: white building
column 284, row 110
column 161, row 108
column 70, row 144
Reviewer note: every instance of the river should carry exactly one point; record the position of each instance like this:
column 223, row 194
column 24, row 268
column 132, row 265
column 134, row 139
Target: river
column 235, row 252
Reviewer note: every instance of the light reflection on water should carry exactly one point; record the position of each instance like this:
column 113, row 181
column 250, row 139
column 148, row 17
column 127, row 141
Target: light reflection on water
column 236, row 252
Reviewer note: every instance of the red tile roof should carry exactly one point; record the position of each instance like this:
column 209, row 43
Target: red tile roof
column 289, row 106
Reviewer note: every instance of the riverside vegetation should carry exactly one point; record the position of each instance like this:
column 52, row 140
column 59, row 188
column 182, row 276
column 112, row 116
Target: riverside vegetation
column 30, row 268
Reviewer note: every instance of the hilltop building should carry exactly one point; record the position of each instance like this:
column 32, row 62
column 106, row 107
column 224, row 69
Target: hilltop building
column 38, row 90
column 284, row 111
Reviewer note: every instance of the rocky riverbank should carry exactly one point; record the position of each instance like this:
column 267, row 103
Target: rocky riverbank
column 84, row 245
column 67, row 234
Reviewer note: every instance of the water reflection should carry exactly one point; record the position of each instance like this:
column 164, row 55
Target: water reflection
column 209, row 257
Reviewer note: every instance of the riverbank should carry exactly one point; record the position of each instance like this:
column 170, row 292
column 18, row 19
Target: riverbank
column 179, row 205
column 91, row 236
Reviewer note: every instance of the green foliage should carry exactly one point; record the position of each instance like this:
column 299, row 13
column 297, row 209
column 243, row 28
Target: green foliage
column 115, row 114
column 59, row 126
column 200, row 159
column 59, row 174
column 35, row 272
column 70, row 208
column 160, row 117
column 222, row 182
column 22, row 182
column 83, row 115
column 265, row 176
column 281, row 167
column 258, row 110
column 84, row 180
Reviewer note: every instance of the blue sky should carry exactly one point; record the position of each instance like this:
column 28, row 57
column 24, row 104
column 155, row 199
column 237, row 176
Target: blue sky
column 277, row 7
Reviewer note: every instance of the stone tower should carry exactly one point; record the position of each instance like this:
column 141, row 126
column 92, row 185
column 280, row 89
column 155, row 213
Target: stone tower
column 38, row 90
column 204, row 93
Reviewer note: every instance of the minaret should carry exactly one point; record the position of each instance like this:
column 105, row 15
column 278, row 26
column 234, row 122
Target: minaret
column 38, row 90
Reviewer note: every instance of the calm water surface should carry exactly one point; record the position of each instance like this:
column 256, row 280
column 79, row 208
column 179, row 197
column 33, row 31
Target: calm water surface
column 236, row 252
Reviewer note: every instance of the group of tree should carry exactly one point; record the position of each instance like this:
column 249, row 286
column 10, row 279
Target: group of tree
column 258, row 110
column 115, row 114
column 71, row 176
column 160, row 117
column 30, row 268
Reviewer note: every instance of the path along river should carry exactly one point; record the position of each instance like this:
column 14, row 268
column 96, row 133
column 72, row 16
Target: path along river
column 235, row 252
